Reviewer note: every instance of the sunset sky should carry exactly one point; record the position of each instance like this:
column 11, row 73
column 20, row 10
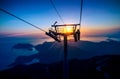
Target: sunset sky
column 100, row 21
column 99, row 16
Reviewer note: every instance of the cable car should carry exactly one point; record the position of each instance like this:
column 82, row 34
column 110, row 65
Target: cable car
column 56, row 31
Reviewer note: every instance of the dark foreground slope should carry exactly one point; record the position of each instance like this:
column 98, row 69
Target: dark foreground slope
column 99, row 67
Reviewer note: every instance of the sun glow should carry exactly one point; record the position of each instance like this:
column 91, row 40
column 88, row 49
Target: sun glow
column 68, row 29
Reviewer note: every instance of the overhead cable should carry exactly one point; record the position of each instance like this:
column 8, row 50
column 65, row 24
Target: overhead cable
column 56, row 11
column 81, row 13
column 21, row 19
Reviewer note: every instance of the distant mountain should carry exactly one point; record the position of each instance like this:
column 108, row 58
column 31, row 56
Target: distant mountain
column 98, row 67
column 51, row 52
column 115, row 34
column 112, row 33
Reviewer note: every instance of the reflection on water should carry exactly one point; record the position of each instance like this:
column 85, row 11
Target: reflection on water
column 93, row 39
column 40, row 41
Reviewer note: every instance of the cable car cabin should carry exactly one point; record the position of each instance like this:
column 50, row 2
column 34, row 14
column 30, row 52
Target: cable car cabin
column 67, row 29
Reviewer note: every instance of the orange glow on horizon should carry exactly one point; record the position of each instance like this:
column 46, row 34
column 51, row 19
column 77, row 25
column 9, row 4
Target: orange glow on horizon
column 86, row 31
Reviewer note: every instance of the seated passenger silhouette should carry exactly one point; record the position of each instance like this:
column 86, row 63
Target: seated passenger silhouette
column 77, row 35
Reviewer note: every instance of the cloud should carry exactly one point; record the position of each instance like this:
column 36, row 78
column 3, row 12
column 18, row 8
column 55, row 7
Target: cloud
column 111, row 32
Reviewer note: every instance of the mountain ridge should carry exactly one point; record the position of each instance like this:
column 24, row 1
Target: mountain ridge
column 99, row 67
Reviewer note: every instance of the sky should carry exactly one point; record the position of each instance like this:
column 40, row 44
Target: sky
column 98, row 16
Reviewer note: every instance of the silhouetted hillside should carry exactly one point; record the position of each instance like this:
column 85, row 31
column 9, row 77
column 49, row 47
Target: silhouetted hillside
column 51, row 52
column 99, row 67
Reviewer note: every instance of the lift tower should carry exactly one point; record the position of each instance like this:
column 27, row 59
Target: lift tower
column 65, row 30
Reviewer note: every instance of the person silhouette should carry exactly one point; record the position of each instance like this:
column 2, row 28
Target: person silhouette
column 75, row 36
column 78, row 34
